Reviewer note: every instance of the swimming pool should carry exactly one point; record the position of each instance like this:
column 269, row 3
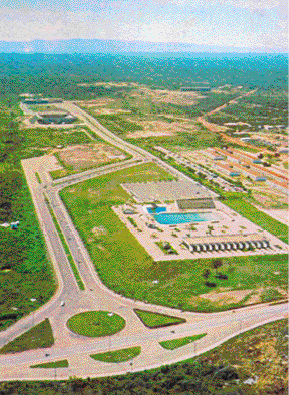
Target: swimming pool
column 156, row 210
column 182, row 218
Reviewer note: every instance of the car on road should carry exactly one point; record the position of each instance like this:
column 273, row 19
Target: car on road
column 62, row 303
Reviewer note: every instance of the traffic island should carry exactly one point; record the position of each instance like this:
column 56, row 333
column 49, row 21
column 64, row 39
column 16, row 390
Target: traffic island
column 40, row 336
column 183, row 341
column 122, row 355
column 96, row 323
column 52, row 365
column 156, row 320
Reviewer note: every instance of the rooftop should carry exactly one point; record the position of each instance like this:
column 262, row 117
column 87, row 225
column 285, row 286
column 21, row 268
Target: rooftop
column 166, row 190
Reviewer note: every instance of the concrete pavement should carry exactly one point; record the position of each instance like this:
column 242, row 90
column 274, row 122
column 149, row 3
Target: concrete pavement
column 75, row 348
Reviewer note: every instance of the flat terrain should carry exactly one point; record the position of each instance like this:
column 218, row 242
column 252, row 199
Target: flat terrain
column 40, row 336
column 261, row 354
column 96, row 323
column 124, row 266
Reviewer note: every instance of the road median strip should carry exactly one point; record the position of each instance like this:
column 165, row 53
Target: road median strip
column 66, row 248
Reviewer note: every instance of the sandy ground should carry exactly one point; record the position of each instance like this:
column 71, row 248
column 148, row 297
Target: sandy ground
column 83, row 156
column 280, row 215
column 161, row 128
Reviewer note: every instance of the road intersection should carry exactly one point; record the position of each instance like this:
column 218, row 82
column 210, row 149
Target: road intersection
column 75, row 348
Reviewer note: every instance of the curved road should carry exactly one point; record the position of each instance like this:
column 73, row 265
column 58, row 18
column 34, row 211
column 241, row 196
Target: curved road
column 218, row 326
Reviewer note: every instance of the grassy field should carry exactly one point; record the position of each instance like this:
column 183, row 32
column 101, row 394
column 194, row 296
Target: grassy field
column 52, row 365
column 36, row 140
column 117, row 356
column 95, row 323
column 155, row 320
column 258, row 217
column 40, row 336
column 66, row 249
column 124, row 266
column 25, row 271
column 176, row 343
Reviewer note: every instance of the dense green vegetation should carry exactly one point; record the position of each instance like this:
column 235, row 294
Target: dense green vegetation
column 50, row 74
column 124, row 266
column 96, row 323
column 117, row 356
column 156, row 320
column 262, row 219
column 25, row 272
column 40, row 336
column 52, row 365
column 221, row 371
column 259, row 109
column 176, row 343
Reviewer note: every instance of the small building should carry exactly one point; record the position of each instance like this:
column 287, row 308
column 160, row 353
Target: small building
column 260, row 178
column 128, row 211
column 54, row 117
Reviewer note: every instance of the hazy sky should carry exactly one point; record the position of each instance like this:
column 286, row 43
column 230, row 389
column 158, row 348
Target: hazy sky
column 254, row 24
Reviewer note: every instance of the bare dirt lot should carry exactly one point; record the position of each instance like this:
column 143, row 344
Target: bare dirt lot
column 160, row 128
column 79, row 157
column 173, row 97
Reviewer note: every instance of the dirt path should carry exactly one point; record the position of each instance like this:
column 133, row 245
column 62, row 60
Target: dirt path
column 218, row 128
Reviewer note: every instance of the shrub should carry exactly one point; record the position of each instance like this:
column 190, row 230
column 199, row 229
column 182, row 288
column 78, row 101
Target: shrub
column 211, row 285
column 217, row 263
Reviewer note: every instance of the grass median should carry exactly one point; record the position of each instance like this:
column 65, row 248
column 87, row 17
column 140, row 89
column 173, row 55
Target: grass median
column 52, row 365
column 156, row 320
column 40, row 336
column 117, row 356
column 66, row 249
column 176, row 343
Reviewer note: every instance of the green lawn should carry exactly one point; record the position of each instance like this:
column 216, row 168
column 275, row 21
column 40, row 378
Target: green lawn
column 176, row 343
column 96, row 323
column 40, row 336
column 124, row 266
column 155, row 320
column 258, row 217
column 51, row 137
column 50, row 365
column 117, row 356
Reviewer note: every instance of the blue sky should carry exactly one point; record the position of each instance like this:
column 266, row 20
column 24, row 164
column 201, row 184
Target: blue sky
column 251, row 24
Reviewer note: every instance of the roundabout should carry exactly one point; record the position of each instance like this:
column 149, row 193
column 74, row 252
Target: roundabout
column 96, row 323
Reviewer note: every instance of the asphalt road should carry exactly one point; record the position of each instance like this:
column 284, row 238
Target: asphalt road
column 218, row 326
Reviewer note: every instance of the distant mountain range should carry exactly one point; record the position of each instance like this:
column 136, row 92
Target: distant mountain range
column 111, row 46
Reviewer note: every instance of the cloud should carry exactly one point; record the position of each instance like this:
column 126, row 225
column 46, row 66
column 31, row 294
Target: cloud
column 187, row 21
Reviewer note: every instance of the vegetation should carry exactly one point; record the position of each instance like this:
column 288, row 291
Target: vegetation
column 132, row 221
column 176, row 343
column 156, row 320
column 261, row 352
column 40, row 336
column 117, row 356
column 96, row 323
column 66, row 249
column 124, row 266
column 166, row 248
column 259, row 217
column 25, row 271
column 49, row 365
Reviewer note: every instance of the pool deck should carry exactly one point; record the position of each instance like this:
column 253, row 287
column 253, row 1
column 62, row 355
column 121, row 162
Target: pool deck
column 230, row 223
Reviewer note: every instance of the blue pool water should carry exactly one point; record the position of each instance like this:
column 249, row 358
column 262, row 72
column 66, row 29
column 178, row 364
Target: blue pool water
column 182, row 218
column 156, row 210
